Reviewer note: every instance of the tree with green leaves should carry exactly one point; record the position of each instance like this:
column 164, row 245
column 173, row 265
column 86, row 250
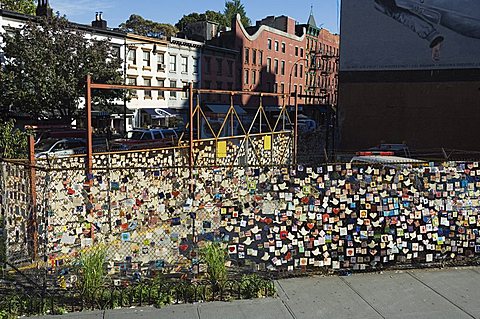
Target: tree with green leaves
column 45, row 66
column 138, row 25
column 232, row 8
column 13, row 142
column 22, row 6
column 209, row 15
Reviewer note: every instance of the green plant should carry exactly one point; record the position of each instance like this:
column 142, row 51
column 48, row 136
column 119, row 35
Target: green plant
column 92, row 272
column 13, row 142
column 214, row 255
column 254, row 286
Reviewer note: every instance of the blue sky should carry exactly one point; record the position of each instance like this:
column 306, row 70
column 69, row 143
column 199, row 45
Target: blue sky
column 117, row 11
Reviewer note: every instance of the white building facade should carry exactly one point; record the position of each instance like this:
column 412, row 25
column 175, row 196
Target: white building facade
column 170, row 63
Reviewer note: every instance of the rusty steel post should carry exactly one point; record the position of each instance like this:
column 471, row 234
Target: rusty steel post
column 190, row 98
column 88, row 109
column 33, row 193
column 295, row 133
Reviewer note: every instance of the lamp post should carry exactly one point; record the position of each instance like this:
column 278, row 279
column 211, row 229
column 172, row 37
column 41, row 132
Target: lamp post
column 295, row 133
column 290, row 77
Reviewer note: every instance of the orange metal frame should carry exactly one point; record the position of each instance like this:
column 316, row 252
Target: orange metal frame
column 196, row 111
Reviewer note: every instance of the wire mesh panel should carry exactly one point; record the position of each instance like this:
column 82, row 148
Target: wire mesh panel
column 16, row 212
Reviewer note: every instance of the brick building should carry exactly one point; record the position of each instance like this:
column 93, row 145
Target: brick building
column 272, row 54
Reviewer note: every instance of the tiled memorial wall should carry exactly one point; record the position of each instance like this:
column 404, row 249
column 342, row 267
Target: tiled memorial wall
column 271, row 217
column 139, row 203
column 336, row 216
column 15, row 210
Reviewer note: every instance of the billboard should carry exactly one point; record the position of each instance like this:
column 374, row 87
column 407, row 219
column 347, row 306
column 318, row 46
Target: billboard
column 409, row 34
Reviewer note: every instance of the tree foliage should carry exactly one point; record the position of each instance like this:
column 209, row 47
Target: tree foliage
column 138, row 25
column 22, row 6
column 13, row 142
column 208, row 15
column 232, row 8
column 45, row 68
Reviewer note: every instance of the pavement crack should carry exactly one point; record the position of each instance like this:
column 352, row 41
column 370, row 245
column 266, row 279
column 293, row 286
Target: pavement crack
column 283, row 290
column 290, row 311
column 440, row 294
column 361, row 297
column 198, row 312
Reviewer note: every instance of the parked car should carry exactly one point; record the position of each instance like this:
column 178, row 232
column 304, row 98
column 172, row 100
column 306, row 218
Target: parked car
column 306, row 125
column 60, row 147
column 148, row 138
column 396, row 149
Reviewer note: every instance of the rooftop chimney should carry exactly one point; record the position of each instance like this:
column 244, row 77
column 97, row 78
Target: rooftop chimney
column 99, row 22
column 43, row 9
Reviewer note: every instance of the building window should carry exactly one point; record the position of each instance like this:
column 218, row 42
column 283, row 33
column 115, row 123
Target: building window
column 269, row 87
column 269, row 44
column 230, row 86
column 219, row 85
column 160, row 61
column 282, row 88
column 161, row 94
column 173, row 94
column 275, row 66
column 295, row 70
column 132, row 81
column 269, row 65
column 230, row 68
column 301, row 90
column 282, row 68
column 275, row 87
column 195, row 65
column 283, row 47
column 260, row 57
column 254, row 77
column 132, row 56
column 184, row 64
column 301, row 70
column 184, row 93
column 147, row 93
column 219, row 66
column 254, row 56
column 295, row 88
column 301, row 52
column 146, row 58
column 245, row 77
column 247, row 55
column 208, row 84
column 207, row 65
column 173, row 63
column 276, row 45
column 296, row 51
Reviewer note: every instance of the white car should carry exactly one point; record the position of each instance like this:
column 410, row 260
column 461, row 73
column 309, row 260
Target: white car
column 60, row 148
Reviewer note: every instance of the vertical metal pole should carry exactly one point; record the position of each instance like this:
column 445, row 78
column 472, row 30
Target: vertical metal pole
column 327, row 133
column 191, row 119
column 125, row 91
column 295, row 137
column 88, row 109
column 33, row 193
column 231, row 114
column 191, row 163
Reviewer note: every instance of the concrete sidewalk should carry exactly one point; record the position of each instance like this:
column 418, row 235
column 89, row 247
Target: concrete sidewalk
column 446, row 293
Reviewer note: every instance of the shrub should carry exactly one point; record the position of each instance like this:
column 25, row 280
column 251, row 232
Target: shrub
column 214, row 255
column 92, row 272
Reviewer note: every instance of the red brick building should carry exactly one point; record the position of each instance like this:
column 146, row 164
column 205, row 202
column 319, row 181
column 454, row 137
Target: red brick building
column 272, row 58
